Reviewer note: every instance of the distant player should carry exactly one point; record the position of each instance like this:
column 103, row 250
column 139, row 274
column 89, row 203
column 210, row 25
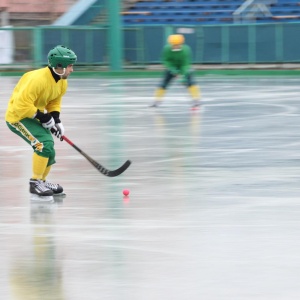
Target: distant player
column 34, row 112
column 176, row 58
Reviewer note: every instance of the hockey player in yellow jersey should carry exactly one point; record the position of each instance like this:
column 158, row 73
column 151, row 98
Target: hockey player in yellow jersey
column 33, row 113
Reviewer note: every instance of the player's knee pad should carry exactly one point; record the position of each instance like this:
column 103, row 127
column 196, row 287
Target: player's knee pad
column 189, row 80
column 168, row 76
column 49, row 151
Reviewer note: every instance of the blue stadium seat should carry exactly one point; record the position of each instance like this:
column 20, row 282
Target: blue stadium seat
column 202, row 12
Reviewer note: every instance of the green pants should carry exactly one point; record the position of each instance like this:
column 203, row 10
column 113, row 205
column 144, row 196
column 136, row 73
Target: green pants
column 169, row 76
column 37, row 136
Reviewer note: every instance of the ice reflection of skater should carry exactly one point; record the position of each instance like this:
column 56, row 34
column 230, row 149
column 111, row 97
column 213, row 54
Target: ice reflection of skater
column 180, row 135
column 36, row 274
column 178, row 145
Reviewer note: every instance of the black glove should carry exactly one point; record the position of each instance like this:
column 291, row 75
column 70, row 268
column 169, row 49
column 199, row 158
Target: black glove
column 58, row 130
column 46, row 119
column 55, row 116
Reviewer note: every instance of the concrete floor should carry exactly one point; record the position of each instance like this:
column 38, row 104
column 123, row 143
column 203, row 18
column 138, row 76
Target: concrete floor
column 213, row 213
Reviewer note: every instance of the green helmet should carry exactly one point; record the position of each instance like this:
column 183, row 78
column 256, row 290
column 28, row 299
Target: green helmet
column 61, row 56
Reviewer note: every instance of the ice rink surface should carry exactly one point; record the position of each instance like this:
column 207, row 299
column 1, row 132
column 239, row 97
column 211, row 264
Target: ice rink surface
column 214, row 208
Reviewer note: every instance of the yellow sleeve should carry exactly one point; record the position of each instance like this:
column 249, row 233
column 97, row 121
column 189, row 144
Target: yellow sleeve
column 24, row 98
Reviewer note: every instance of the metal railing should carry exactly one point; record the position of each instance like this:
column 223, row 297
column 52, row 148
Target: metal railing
column 142, row 45
column 251, row 9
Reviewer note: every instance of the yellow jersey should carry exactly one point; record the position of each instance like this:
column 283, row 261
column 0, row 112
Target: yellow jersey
column 36, row 90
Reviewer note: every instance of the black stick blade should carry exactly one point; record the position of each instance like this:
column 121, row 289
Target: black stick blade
column 119, row 171
column 113, row 173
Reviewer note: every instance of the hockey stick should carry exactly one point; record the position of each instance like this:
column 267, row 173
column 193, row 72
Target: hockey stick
column 99, row 167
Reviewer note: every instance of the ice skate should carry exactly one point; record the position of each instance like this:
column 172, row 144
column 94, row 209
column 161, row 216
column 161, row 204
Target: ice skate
column 39, row 188
column 56, row 189
column 39, row 192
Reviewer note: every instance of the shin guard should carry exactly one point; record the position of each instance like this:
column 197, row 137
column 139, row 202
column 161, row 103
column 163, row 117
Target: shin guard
column 195, row 92
column 39, row 165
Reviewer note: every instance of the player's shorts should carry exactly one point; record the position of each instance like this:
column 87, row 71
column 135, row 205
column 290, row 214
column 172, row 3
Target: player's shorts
column 38, row 137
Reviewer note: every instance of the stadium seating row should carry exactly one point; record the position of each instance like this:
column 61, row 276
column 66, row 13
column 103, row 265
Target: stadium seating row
column 204, row 11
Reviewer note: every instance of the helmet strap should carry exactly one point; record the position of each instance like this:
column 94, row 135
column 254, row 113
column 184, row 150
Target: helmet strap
column 58, row 73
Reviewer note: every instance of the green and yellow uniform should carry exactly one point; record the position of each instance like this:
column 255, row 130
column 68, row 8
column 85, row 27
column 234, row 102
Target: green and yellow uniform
column 176, row 58
column 39, row 90
column 34, row 109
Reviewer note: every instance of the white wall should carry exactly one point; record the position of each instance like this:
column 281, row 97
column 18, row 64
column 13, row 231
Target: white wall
column 6, row 46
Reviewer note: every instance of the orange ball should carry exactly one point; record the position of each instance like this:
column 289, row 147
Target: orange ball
column 126, row 192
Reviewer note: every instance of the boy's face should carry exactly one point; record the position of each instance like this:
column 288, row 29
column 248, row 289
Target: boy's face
column 69, row 69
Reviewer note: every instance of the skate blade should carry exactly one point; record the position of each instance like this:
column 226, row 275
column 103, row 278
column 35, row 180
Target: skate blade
column 41, row 199
column 59, row 196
